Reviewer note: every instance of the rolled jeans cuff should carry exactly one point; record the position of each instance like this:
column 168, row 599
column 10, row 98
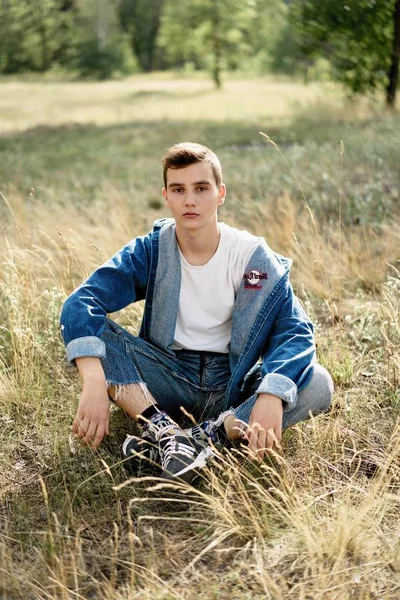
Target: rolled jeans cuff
column 280, row 386
column 86, row 346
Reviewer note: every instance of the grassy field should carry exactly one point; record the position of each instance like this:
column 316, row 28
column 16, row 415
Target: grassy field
column 79, row 176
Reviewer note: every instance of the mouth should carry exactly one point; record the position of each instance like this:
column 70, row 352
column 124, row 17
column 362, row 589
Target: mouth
column 190, row 214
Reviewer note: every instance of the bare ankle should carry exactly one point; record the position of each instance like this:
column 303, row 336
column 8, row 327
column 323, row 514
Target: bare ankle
column 233, row 428
column 133, row 398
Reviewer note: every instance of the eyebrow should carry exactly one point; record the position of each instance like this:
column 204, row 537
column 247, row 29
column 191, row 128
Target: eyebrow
column 202, row 182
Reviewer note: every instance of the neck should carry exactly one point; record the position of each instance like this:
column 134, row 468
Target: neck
column 198, row 246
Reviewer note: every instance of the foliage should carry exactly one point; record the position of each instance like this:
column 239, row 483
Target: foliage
column 241, row 32
column 141, row 20
column 103, row 62
column 33, row 34
column 356, row 36
column 101, row 49
column 256, row 35
column 102, row 38
column 288, row 56
column 91, row 36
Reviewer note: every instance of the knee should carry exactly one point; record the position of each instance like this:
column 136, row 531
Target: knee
column 323, row 388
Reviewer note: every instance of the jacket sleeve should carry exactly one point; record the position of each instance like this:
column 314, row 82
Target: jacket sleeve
column 289, row 353
column 117, row 283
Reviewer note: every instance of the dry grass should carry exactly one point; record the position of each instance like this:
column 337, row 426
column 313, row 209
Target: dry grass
column 152, row 98
column 318, row 522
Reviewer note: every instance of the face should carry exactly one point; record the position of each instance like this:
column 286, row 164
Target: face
column 193, row 196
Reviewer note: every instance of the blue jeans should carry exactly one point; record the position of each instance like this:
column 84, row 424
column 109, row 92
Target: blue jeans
column 196, row 381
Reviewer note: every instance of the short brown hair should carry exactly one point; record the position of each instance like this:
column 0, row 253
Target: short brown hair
column 187, row 153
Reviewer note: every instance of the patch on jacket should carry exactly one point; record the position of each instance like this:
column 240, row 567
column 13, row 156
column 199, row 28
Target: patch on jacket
column 252, row 280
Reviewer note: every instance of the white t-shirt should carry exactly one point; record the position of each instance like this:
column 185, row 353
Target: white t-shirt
column 208, row 293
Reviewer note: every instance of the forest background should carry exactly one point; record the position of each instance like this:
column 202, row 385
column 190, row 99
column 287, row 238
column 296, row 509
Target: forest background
column 357, row 43
column 91, row 94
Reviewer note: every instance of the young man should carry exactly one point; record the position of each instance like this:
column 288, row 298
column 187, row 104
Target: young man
column 217, row 301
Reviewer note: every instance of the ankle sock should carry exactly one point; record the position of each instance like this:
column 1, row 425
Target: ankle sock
column 159, row 423
column 213, row 429
column 150, row 411
column 221, row 434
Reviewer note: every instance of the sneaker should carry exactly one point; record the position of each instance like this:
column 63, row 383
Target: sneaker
column 210, row 430
column 183, row 456
column 180, row 454
column 140, row 454
column 158, row 425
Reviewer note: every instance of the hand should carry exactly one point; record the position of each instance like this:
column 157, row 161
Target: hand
column 265, row 425
column 93, row 414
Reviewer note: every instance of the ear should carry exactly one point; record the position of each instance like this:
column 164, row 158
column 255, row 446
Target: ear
column 164, row 193
column 221, row 194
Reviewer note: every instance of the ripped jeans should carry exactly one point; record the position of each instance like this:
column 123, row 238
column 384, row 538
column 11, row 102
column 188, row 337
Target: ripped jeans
column 195, row 380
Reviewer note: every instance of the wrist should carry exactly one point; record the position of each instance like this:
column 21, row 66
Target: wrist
column 263, row 396
column 94, row 379
column 91, row 370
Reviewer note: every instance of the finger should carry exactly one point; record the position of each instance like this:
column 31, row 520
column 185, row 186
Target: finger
column 273, row 440
column 271, row 437
column 100, row 432
column 251, row 436
column 241, row 427
column 90, row 434
column 82, row 428
column 253, row 439
column 77, row 421
column 262, row 441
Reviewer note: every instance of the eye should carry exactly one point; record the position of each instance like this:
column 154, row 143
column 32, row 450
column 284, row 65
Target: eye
column 177, row 190
column 202, row 188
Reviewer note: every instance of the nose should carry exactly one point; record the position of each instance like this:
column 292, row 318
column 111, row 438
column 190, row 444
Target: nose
column 190, row 199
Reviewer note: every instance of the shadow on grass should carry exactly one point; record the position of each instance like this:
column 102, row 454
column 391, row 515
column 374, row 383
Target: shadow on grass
column 73, row 163
column 63, row 144
column 171, row 94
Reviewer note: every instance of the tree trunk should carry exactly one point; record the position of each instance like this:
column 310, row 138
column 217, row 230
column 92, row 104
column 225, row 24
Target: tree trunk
column 394, row 66
column 216, row 42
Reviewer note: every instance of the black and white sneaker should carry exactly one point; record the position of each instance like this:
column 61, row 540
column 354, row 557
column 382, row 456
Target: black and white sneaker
column 183, row 456
column 211, row 430
column 179, row 454
column 141, row 455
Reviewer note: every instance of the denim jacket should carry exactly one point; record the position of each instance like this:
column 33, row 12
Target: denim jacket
column 268, row 320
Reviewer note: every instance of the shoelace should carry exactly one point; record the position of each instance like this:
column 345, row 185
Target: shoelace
column 158, row 428
column 173, row 447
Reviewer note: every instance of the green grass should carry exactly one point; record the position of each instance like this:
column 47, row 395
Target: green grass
column 79, row 137
column 319, row 522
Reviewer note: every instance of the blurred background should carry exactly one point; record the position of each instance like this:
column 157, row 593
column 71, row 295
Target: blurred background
column 356, row 43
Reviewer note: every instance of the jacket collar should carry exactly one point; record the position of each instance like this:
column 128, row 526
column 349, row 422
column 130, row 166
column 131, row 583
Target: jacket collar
column 253, row 305
column 166, row 286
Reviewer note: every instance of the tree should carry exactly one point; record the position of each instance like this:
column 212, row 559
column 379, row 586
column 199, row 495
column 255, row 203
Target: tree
column 220, row 34
column 101, row 49
column 141, row 20
column 395, row 59
column 33, row 33
column 361, row 38
column 45, row 20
